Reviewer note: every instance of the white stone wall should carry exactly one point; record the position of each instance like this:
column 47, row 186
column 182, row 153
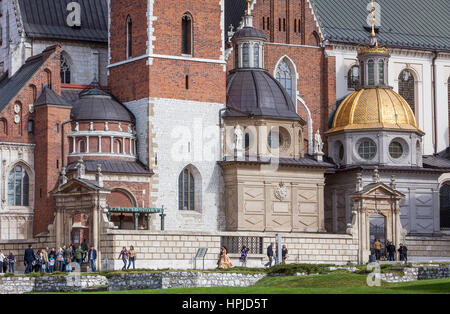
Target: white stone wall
column 176, row 250
column 87, row 60
column 173, row 134
column 420, row 63
column 16, row 222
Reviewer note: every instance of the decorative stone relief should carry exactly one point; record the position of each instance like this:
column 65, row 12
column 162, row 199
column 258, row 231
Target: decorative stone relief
column 281, row 192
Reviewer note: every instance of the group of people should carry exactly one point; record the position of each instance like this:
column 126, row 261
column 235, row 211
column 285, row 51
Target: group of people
column 270, row 255
column 225, row 262
column 7, row 261
column 128, row 257
column 49, row 261
column 390, row 251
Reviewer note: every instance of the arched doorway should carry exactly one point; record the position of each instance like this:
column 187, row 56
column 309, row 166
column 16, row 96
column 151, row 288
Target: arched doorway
column 444, row 195
column 377, row 230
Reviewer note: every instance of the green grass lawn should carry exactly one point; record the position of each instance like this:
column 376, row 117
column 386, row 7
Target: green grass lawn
column 335, row 283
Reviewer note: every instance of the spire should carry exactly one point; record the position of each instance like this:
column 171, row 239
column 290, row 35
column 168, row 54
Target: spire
column 248, row 7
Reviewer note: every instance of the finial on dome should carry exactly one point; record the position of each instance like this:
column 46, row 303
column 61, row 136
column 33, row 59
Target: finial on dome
column 373, row 36
column 248, row 18
column 249, row 12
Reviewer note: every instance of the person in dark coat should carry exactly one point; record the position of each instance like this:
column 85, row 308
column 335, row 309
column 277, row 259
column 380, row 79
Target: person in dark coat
column 403, row 251
column 28, row 259
column 92, row 257
column 270, row 255
column 391, row 251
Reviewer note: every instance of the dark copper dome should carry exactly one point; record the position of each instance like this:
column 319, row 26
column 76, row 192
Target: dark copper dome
column 98, row 105
column 255, row 93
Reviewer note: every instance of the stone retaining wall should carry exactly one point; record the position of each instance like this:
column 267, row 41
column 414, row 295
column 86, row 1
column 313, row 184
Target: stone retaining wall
column 428, row 249
column 413, row 274
column 181, row 280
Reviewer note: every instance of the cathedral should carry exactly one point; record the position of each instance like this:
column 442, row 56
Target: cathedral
column 175, row 126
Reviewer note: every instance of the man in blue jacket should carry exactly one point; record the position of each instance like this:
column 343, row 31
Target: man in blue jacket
column 92, row 256
column 28, row 259
column 270, row 254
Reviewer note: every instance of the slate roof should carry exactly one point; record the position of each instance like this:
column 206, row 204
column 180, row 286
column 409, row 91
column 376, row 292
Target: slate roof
column 234, row 11
column 414, row 24
column 9, row 87
column 47, row 19
column 255, row 93
column 95, row 104
column 438, row 161
column 113, row 166
column 307, row 161
column 49, row 97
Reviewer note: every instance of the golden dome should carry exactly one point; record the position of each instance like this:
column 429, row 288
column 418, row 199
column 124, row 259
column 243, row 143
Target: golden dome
column 374, row 108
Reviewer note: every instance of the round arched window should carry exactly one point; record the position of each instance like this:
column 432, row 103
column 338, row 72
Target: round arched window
column 341, row 151
column 396, row 150
column 274, row 139
column 279, row 139
column 367, row 149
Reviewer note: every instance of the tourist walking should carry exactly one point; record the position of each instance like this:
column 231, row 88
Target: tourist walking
column 403, row 250
column 377, row 247
column 284, row 253
column 45, row 260
column 224, row 260
column 11, row 261
column 391, row 251
column 85, row 248
column 2, row 258
column 92, row 256
column 59, row 260
column 78, row 255
column 269, row 255
column 244, row 255
column 37, row 267
column 124, row 255
column 132, row 257
column 29, row 259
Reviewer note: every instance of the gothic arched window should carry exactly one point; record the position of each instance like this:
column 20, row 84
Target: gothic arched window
column 18, row 187
column 406, row 88
column 129, row 39
column 65, row 69
column 353, row 77
column 445, row 205
column 186, row 190
column 186, row 30
column 284, row 75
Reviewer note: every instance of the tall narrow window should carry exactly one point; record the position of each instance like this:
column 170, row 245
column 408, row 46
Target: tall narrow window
column 279, row 24
column 295, row 25
column 448, row 84
column 381, row 72
column 406, row 88
column 353, row 77
column 186, row 29
column 187, row 81
column 445, row 206
column 256, row 56
column 371, row 72
column 18, row 187
column 186, row 190
column 33, row 92
column 263, row 23
column 30, row 127
column 245, row 56
column 283, row 75
column 48, row 74
column 129, row 38
column 65, row 69
column 284, row 25
column 268, row 23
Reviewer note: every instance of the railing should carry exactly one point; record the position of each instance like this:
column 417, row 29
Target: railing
column 234, row 244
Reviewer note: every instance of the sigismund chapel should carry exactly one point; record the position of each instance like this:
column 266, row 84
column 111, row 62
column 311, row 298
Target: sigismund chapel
column 179, row 125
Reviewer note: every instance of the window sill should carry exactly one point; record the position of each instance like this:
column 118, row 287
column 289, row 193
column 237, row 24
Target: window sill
column 187, row 55
column 189, row 212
